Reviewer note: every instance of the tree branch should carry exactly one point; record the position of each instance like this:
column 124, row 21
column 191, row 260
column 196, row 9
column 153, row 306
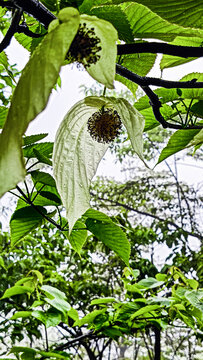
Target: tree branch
column 127, row 207
column 155, row 103
column 36, row 9
column 163, row 48
column 12, row 29
column 146, row 81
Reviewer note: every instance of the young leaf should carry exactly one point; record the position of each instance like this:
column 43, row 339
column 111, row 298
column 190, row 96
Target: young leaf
column 31, row 96
column 104, row 69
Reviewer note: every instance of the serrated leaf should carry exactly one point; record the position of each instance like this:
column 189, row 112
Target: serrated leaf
column 104, row 69
column 146, row 24
column 16, row 290
column 186, row 13
column 75, row 159
column 42, row 158
column 23, row 221
column 56, row 298
column 31, row 139
column 116, row 16
column 31, row 96
column 44, row 149
column 112, row 236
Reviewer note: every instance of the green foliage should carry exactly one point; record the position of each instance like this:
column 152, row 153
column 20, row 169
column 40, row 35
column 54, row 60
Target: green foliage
column 68, row 274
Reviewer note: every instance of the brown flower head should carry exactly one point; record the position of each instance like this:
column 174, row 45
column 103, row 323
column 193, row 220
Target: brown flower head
column 84, row 47
column 104, row 125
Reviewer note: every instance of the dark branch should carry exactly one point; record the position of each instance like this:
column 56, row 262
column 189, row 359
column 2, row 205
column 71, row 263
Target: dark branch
column 154, row 100
column 168, row 84
column 33, row 8
column 23, row 28
column 12, row 29
column 163, row 48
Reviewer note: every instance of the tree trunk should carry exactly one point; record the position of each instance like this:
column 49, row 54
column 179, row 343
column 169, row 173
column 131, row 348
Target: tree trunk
column 157, row 344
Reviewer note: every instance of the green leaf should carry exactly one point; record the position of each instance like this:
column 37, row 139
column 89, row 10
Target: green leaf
column 75, row 159
column 31, row 96
column 56, row 298
column 195, row 297
column 42, row 158
column 197, row 140
column 144, row 310
column 42, row 177
column 112, row 236
column 178, row 141
column 105, row 300
column 45, row 149
column 186, row 13
column 77, row 236
column 150, row 283
column 2, row 264
column 31, row 139
column 16, row 290
column 23, row 221
column 89, row 318
column 49, row 318
column 116, row 16
column 104, row 69
column 97, row 215
column 21, row 314
column 169, row 95
column 146, row 24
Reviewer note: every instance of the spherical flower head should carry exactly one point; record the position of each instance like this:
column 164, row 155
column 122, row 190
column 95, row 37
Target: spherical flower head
column 104, row 125
column 84, row 47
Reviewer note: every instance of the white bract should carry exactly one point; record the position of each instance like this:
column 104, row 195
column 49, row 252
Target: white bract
column 76, row 155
